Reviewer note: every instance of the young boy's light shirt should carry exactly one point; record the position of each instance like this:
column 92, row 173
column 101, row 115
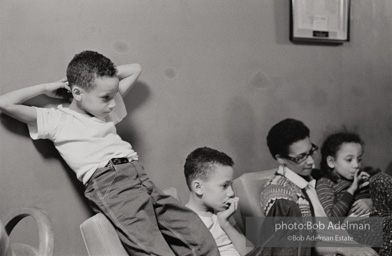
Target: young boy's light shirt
column 225, row 246
column 85, row 143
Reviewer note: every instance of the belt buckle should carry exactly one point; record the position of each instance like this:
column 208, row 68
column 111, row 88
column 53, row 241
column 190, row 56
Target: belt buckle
column 122, row 160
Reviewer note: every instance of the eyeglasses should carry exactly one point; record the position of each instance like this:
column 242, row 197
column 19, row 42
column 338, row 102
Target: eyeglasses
column 302, row 157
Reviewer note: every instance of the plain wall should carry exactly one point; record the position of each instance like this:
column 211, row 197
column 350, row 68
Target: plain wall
column 216, row 73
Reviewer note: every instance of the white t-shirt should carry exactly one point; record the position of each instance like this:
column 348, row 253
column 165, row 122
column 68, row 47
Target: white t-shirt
column 225, row 246
column 85, row 143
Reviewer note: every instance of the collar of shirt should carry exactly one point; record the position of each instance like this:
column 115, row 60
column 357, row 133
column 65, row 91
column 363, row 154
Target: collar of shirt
column 78, row 114
column 309, row 187
column 295, row 178
column 118, row 113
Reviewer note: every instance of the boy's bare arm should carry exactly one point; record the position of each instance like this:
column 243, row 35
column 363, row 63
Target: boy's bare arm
column 12, row 103
column 237, row 238
column 128, row 75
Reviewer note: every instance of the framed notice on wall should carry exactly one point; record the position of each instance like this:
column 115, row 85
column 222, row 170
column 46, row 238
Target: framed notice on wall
column 320, row 21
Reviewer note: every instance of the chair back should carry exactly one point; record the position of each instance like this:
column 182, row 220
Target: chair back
column 100, row 237
column 248, row 187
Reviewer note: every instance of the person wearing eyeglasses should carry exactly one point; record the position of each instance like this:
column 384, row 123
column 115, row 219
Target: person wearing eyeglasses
column 291, row 191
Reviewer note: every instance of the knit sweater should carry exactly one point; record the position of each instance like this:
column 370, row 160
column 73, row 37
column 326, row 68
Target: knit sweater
column 279, row 187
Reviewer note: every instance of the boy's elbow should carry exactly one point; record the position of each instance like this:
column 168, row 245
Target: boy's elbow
column 4, row 105
column 137, row 68
column 6, row 108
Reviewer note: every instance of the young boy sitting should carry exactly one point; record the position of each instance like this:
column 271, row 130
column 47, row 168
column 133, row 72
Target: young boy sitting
column 148, row 222
column 209, row 175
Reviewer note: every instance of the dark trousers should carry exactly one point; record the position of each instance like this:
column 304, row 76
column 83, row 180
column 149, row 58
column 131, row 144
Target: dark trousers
column 148, row 221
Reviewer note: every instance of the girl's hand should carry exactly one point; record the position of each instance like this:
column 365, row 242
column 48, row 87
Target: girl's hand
column 362, row 206
column 223, row 216
column 355, row 184
column 52, row 88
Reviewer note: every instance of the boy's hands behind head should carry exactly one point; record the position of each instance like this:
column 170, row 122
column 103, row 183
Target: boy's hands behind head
column 58, row 89
column 224, row 216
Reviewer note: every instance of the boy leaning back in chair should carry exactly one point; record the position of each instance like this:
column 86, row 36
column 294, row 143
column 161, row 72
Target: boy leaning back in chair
column 148, row 222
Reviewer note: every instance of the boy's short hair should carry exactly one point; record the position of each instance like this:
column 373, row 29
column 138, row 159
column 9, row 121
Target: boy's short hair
column 285, row 133
column 86, row 66
column 199, row 164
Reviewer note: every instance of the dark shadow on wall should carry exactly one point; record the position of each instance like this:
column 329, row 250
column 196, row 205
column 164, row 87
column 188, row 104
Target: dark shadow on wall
column 241, row 132
column 47, row 150
column 282, row 21
column 13, row 125
column 134, row 100
column 388, row 170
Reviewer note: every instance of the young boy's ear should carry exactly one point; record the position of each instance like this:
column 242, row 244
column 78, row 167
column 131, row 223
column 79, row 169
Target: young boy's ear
column 76, row 92
column 197, row 187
